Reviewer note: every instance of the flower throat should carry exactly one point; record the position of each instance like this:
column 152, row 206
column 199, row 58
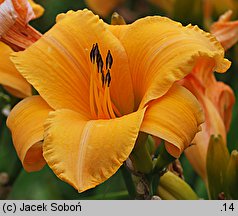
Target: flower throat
column 101, row 105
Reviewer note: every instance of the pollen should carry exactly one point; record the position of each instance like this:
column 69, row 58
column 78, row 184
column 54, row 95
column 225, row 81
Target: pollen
column 101, row 105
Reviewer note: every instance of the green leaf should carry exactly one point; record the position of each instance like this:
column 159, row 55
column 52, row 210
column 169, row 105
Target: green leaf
column 192, row 178
column 113, row 188
column 8, row 157
column 200, row 188
column 217, row 161
column 37, row 185
column 114, row 185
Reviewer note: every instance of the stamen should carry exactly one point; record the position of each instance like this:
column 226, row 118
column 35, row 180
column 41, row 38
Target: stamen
column 102, row 78
column 109, row 103
column 108, row 78
column 92, row 104
column 97, row 101
column 101, row 106
column 109, row 60
column 96, row 51
column 99, row 63
column 92, row 54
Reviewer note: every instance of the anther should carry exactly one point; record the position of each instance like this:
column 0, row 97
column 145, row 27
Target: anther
column 92, row 58
column 96, row 51
column 108, row 78
column 99, row 63
column 98, row 57
column 109, row 60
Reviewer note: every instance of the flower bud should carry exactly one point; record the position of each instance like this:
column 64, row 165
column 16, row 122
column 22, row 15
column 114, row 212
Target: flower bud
column 217, row 161
column 232, row 176
column 117, row 19
column 171, row 187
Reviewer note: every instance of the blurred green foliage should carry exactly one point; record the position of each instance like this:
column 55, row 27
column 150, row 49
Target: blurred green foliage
column 52, row 9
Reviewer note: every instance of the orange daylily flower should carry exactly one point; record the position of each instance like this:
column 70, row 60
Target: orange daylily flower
column 225, row 31
column 10, row 78
column 14, row 31
column 14, row 28
column 217, row 100
column 38, row 9
column 99, row 86
column 217, row 6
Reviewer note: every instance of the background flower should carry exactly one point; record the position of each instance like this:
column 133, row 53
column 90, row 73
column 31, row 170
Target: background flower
column 15, row 32
column 217, row 100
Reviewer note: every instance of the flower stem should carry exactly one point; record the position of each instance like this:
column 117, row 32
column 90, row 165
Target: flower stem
column 140, row 155
column 128, row 182
column 163, row 160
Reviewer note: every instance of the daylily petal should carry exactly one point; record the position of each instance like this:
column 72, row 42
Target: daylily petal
column 213, row 125
column 225, row 31
column 14, row 30
column 61, row 72
column 202, row 81
column 38, row 9
column 10, row 10
column 26, row 124
column 103, row 7
column 216, row 6
column 162, row 52
column 217, row 100
column 88, row 152
column 223, row 99
column 10, row 78
column 175, row 117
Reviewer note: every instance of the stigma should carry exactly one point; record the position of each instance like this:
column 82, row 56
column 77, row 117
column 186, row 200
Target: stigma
column 101, row 105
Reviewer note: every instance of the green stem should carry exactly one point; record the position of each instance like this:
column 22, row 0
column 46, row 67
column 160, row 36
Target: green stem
column 129, row 182
column 163, row 160
column 140, row 155
column 155, row 183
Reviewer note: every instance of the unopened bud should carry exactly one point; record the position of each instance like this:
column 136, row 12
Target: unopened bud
column 171, row 187
column 232, row 176
column 117, row 19
column 217, row 161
